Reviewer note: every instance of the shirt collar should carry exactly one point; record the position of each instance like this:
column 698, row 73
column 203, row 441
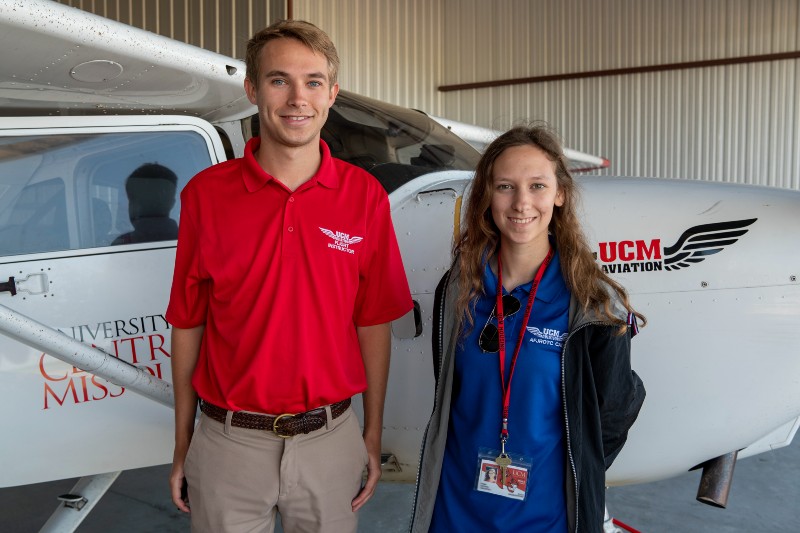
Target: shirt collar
column 255, row 177
column 549, row 289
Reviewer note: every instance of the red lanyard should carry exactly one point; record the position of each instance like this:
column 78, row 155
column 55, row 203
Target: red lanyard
column 501, row 330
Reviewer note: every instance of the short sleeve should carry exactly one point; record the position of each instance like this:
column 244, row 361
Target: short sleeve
column 383, row 293
column 188, row 301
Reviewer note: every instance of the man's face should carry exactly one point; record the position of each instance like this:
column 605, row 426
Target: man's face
column 293, row 93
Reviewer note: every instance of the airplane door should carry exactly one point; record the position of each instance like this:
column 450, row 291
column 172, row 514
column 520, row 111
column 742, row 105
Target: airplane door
column 88, row 228
column 425, row 212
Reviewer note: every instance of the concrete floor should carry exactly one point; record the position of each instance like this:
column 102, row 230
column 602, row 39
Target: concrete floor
column 765, row 497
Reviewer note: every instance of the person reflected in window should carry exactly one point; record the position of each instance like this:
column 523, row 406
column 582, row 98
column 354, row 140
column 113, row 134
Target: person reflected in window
column 151, row 190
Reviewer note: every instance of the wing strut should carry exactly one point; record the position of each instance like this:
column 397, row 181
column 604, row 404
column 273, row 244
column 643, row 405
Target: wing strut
column 76, row 505
column 93, row 360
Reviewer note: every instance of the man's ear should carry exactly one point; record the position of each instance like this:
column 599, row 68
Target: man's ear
column 334, row 92
column 250, row 90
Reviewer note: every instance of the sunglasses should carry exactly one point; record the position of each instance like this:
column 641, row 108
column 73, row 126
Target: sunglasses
column 489, row 340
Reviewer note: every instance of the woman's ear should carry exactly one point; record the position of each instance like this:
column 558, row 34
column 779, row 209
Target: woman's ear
column 559, row 197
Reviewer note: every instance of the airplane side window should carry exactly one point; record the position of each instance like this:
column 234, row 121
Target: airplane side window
column 37, row 221
column 135, row 193
column 75, row 191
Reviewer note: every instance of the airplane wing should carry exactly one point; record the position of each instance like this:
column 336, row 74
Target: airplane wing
column 98, row 66
column 479, row 138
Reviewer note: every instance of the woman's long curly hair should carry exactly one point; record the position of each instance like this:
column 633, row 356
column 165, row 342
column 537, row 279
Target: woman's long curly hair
column 480, row 238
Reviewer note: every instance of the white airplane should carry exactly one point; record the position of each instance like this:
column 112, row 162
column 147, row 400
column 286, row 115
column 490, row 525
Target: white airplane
column 85, row 101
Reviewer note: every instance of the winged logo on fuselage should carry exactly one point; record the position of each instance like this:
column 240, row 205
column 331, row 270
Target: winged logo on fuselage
column 699, row 242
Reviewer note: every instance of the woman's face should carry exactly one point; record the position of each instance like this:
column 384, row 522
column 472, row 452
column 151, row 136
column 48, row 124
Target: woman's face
column 524, row 193
column 492, row 474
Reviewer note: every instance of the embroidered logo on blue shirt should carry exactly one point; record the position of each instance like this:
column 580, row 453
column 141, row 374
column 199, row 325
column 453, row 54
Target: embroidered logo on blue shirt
column 547, row 336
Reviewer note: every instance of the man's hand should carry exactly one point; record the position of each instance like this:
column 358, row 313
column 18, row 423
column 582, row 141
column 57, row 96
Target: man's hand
column 373, row 472
column 375, row 344
column 177, row 484
column 185, row 351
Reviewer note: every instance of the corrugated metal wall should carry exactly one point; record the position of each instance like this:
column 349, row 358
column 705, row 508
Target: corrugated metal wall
column 222, row 26
column 390, row 49
column 731, row 123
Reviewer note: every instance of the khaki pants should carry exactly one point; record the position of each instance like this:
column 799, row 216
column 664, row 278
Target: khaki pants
column 239, row 478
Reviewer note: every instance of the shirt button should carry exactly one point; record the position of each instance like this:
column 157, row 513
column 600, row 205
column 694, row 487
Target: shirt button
column 291, row 199
column 291, row 229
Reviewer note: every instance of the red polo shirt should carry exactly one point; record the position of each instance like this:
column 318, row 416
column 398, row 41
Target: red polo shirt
column 281, row 279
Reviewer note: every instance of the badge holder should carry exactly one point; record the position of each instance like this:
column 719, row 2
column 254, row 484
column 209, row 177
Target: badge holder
column 489, row 475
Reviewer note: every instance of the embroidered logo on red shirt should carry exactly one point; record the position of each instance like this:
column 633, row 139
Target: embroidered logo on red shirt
column 341, row 241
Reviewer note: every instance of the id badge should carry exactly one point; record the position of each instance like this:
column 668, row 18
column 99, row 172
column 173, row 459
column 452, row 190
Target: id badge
column 491, row 478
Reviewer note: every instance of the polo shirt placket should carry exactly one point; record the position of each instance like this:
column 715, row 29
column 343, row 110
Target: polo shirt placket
column 292, row 230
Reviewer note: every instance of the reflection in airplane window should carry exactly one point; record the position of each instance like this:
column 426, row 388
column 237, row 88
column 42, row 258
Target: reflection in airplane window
column 151, row 190
column 68, row 192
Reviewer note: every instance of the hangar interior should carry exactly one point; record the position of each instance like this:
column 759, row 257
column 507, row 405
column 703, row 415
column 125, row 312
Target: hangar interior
column 665, row 88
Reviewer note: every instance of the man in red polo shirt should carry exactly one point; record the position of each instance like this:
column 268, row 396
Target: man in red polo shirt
column 286, row 278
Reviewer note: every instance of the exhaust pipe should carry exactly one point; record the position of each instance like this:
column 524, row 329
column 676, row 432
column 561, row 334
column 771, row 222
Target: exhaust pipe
column 715, row 483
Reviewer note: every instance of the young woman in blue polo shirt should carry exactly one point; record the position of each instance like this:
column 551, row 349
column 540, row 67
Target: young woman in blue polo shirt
column 533, row 340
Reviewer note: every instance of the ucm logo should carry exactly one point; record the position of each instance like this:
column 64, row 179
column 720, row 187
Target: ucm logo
column 693, row 246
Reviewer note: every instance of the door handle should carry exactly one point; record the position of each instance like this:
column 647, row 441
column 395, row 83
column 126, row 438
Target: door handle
column 9, row 286
column 34, row 284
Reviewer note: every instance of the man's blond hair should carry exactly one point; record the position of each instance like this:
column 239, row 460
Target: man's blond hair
column 305, row 32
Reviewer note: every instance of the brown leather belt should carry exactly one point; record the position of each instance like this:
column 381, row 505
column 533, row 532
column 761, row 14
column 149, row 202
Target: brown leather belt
column 286, row 425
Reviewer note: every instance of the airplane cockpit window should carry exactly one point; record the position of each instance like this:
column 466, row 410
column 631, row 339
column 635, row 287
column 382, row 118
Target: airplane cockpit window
column 69, row 192
column 393, row 143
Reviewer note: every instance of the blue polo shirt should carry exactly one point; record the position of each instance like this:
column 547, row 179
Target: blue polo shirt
column 535, row 422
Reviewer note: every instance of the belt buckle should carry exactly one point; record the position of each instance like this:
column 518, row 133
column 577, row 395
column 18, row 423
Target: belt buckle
column 275, row 425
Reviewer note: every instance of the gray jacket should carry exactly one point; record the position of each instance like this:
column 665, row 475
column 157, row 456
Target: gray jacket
column 601, row 399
